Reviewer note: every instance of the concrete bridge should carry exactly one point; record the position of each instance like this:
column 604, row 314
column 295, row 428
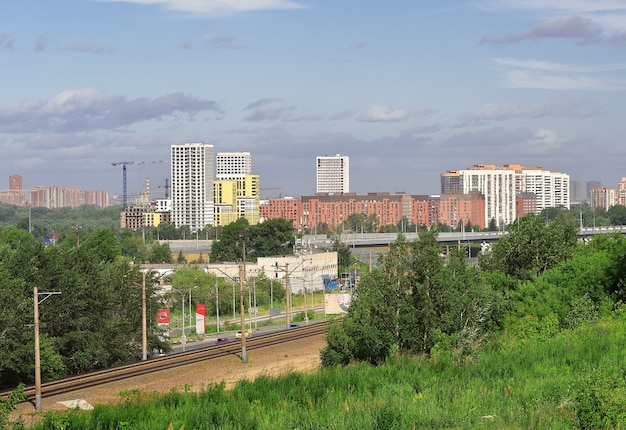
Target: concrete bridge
column 374, row 240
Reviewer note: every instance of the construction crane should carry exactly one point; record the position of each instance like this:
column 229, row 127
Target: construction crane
column 166, row 187
column 124, row 164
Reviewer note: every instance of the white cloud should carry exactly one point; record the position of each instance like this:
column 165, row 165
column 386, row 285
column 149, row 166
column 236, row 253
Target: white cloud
column 585, row 20
column 89, row 109
column 216, row 7
column 551, row 108
column 559, row 76
column 574, row 27
column 379, row 113
column 274, row 109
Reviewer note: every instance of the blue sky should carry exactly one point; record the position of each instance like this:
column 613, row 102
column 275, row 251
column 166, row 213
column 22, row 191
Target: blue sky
column 407, row 89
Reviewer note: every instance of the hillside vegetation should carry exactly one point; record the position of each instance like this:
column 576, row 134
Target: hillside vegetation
column 533, row 336
column 572, row 380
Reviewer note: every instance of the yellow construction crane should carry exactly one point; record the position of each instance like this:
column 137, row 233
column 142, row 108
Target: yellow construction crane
column 124, row 164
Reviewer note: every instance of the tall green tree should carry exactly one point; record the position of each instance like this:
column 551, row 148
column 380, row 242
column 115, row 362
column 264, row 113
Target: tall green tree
column 228, row 248
column 271, row 237
column 530, row 247
column 415, row 300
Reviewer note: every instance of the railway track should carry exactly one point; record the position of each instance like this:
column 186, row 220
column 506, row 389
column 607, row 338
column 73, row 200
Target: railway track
column 152, row 365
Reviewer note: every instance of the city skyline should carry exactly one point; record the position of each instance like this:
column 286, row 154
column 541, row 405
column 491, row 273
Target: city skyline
column 406, row 92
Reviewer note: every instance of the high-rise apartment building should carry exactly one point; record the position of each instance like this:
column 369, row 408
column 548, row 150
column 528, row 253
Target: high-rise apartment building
column 237, row 190
column 237, row 198
column 333, row 174
column 502, row 185
column 551, row 189
column 61, row 197
column 232, row 165
column 15, row 183
column 575, row 191
column 191, row 176
column 14, row 196
column 496, row 184
column 604, row 197
column 592, row 185
column 621, row 192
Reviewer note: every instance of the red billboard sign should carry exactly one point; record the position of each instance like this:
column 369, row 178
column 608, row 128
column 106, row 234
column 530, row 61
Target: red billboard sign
column 163, row 316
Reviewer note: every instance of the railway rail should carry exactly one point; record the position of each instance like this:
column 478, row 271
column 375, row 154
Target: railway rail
column 152, row 365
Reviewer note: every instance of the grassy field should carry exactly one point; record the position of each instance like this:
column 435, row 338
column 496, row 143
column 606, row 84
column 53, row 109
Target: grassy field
column 573, row 380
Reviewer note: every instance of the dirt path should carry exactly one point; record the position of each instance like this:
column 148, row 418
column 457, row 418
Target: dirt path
column 302, row 356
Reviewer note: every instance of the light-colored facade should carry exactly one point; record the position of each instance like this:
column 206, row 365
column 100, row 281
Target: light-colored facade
column 332, row 174
column 192, row 167
column 232, row 165
column 550, row 188
column 59, row 197
column 237, row 198
column 604, row 197
column 621, row 192
column 501, row 186
column 498, row 188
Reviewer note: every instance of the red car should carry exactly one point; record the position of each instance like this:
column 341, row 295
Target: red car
column 221, row 340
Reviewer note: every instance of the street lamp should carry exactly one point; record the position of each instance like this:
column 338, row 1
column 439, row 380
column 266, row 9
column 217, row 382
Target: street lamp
column 242, row 274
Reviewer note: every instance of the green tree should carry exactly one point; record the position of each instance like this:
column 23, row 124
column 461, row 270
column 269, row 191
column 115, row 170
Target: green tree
column 356, row 222
column 415, row 300
column 344, row 256
column 103, row 244
column 160, row 253
column 228, row 248
column 271, row 237
column 530, row 247
column 617, row 215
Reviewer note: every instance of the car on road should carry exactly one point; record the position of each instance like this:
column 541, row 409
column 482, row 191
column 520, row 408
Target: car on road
column 248, row 334
column 221, row 340
column 294, row 325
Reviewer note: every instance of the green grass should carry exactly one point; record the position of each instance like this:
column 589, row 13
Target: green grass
column 574, row 380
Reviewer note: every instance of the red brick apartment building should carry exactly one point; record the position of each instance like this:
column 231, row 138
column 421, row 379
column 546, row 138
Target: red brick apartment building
column 311, row 211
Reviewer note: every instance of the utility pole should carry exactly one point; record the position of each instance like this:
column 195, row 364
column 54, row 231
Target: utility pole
column 242, row 275
column 37, row 351
column 144, row 325
column 287, row 297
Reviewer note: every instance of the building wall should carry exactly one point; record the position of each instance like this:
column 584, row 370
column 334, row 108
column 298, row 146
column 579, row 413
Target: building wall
column 621, row 193
column 603, row 197
column 59, row 197
column 332, row 174
column 501, row 185
column 458, row 209
column 192, row 185
column 592, row 185
column 498, row 187
column 232, row 165
column 15, row 183
column 237, row 198
column 287, row 208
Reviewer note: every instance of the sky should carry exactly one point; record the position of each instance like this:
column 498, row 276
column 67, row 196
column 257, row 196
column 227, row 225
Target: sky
column 407, row 89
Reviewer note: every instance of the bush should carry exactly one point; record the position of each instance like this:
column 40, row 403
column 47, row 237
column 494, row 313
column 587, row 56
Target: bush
column 601, row 399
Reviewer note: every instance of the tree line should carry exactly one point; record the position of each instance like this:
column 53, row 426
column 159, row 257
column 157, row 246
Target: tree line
column 96, row 320
column 536, row 280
